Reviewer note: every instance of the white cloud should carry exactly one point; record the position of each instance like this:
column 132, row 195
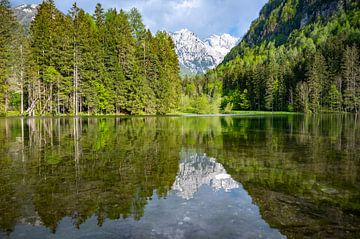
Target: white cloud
column 204, row 17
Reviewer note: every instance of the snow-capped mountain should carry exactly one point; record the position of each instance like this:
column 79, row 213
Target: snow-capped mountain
column 221, row 45
column 196, row 171
column 197, row 56
column 25, row 13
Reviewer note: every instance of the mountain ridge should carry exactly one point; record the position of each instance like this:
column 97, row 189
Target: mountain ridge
column 197, row 56
column 298, row 56
column 25, row 13
column 279, row 18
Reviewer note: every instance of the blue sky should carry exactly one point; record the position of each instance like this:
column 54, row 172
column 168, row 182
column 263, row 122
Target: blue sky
column 204, row 17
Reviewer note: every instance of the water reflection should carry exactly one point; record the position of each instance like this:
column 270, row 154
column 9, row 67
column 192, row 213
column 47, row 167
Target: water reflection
column 196, row 171
column 107, row 177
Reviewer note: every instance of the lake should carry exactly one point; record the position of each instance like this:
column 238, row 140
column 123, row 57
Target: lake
column 286, row 176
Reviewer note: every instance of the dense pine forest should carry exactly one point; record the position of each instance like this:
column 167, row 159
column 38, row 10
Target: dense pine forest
column 301, row 56
column 79, row 63
column 297, row 56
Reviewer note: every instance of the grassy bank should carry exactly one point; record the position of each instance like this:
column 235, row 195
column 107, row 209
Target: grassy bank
column 175, row 113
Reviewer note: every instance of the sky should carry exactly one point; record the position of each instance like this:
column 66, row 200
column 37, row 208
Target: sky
column 203, row 17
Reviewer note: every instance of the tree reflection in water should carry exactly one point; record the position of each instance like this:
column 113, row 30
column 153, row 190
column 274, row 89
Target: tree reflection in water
column 302, row 172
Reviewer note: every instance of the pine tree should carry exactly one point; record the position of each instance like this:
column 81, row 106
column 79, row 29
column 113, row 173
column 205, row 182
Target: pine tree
column 45, row 47
column 121, row 62
column 97, row 64
column 316, row 75
column 334, row 98
column 137, row 26
column 64, row 65
column 74, row 13
column 351, row 75
column 271, row 82
column 302, row 97
column 101, row 94
column 168, row 85
column 7, row 34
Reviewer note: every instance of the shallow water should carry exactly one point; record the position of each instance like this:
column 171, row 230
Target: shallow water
column 180, row 177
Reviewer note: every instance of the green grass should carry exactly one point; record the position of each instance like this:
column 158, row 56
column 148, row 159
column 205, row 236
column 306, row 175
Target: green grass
column 240, row 112
column 251, row 112
column 174, row 113
column 11, row 113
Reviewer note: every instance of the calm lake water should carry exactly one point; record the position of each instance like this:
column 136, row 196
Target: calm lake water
column 180, row 177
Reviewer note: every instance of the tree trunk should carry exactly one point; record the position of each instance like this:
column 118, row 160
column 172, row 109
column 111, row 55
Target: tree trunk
column 58, row 99
column 22, row 81
column 51, row 98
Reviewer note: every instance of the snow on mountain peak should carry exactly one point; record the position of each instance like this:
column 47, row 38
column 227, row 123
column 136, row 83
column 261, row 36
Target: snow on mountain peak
column 198, row 56
column 25, row 13
column 26, row 6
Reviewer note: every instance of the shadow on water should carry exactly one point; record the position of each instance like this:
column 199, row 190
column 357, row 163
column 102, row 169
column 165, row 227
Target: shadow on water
column 296, row 176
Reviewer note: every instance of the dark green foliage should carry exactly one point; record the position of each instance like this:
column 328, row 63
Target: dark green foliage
column 8, row 45
column 298, row 55
column 102, row 64
column 351, row 79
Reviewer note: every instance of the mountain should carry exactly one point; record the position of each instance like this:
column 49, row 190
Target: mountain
column 25, row 13
column 196, row 56
column 278, row 19
column 297, row 56
column 196, row 171
column 219, row 46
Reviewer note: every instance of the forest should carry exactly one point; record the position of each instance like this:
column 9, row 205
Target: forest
column 285, row 64
column 73, row 64
column 298, row 56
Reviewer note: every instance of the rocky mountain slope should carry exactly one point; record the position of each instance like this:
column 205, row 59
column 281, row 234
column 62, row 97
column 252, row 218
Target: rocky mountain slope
column 278, row 19
column 197, row 56
column 25, row 13
column 196, row 171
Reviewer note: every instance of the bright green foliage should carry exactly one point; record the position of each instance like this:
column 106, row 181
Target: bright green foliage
column 78, row 63
column 201, row 94
column 238, row 100
column 168, row 83
column 334, row 98
column 8, row 28
column 296, row 56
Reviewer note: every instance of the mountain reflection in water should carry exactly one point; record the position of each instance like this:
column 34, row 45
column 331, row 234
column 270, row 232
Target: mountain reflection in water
column 205, row 202
column 265, row 177
column 196, row 171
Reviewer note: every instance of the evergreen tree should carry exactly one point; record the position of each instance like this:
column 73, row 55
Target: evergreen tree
column 7, row 35
column 105, row 63
column 168, row 84
column 351, row 78
column 317, row 75
column 334, row 98
column 45, row 48
column 137, row 26
column 302, row 97
column 271, row 82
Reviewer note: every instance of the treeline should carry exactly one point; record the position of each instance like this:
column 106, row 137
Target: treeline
column 316, row 69
column 78, row 63
column 201, row 94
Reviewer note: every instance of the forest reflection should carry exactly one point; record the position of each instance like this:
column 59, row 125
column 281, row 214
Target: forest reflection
column 302, row 171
